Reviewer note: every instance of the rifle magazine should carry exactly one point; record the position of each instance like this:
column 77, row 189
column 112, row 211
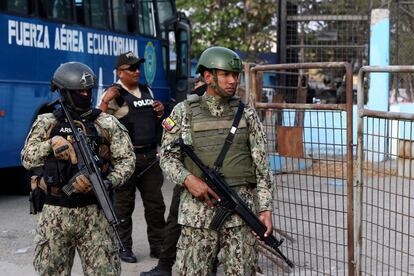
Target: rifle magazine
column 219, row 218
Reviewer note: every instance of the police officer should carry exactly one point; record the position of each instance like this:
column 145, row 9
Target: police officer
column 134, row 105
column 204, row 122
column 75, row 222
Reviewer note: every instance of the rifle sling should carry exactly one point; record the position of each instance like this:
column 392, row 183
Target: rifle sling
column 230, row 137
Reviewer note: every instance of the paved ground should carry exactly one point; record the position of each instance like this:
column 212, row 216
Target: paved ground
column 17, row 229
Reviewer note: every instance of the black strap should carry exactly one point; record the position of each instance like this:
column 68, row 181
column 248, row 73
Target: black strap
column 229, row 139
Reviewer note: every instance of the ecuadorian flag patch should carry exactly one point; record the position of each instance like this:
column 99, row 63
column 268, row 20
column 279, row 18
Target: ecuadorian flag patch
column 168, row 124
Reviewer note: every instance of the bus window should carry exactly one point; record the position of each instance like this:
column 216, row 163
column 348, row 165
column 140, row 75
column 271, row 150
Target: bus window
column 80, row 16
column 165, row 57
column 165, row 13
column 17, row 6
column 58, row 9
column 183, row 47
column 92, row 13
column 182, row 61
column 182, row 41
column 123, row 16
column 172, row 48
column 146, row 18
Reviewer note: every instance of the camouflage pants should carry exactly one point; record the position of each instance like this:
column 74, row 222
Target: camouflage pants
column 60, row 231
column 196, row 250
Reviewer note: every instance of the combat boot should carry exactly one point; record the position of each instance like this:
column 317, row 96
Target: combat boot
column 128, row 256
column 157, row 271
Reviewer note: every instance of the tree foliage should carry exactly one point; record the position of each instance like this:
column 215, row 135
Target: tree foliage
column 247, row 26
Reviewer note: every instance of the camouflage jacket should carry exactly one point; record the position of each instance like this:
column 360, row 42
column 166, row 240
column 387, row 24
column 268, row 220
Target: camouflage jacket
column 37, row 147
column 192, row 211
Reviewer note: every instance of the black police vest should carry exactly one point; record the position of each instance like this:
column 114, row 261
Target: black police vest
column 57, row 173
column 141, row 119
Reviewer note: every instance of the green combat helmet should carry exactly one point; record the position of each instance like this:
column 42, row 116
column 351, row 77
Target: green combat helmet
column 219, row 58
column 222, row 59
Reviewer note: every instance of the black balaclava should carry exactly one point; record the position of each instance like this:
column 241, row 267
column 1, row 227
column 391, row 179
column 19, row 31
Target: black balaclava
column 78, row 102
column 82, row 102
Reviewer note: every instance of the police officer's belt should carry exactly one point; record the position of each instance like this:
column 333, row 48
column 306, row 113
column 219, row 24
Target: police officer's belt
column 145, row 148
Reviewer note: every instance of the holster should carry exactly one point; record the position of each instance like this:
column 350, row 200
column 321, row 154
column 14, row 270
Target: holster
column 37, row 196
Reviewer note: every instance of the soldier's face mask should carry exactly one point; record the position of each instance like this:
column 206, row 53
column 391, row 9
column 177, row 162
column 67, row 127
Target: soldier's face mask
column 82, row 98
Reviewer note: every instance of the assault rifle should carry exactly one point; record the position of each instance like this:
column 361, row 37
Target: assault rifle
column 88, row 167
column 231, row 203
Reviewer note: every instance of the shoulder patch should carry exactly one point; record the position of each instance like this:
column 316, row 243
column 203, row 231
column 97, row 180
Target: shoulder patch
column 168, row 124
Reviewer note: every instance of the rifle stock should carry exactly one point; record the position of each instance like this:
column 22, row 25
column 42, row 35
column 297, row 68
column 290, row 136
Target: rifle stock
column 88, row 167
column 231, row 203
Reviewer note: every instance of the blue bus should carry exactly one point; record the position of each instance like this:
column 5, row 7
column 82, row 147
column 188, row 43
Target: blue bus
column 36, row 36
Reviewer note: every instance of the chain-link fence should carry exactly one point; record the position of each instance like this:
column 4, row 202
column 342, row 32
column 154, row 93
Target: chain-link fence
column 310, row 146
column 384, row 186
column 339, row 31
column 319, row 31
column 322, row 31
column 310, row 154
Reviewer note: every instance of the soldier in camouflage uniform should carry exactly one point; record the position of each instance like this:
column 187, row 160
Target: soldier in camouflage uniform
column 75, row 222
column 204, row 122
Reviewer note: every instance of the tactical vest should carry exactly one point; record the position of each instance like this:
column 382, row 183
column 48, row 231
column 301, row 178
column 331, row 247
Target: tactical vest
column 141, row 120
column 209, row 134
column 57, row 173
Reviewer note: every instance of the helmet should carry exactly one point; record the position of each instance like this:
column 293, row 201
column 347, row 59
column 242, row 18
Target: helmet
column 71, row 77
column 219, row 58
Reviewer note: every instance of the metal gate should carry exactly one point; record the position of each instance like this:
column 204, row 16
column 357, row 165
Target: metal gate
column 311, row 156
column 320, row 31
column 385, row 179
